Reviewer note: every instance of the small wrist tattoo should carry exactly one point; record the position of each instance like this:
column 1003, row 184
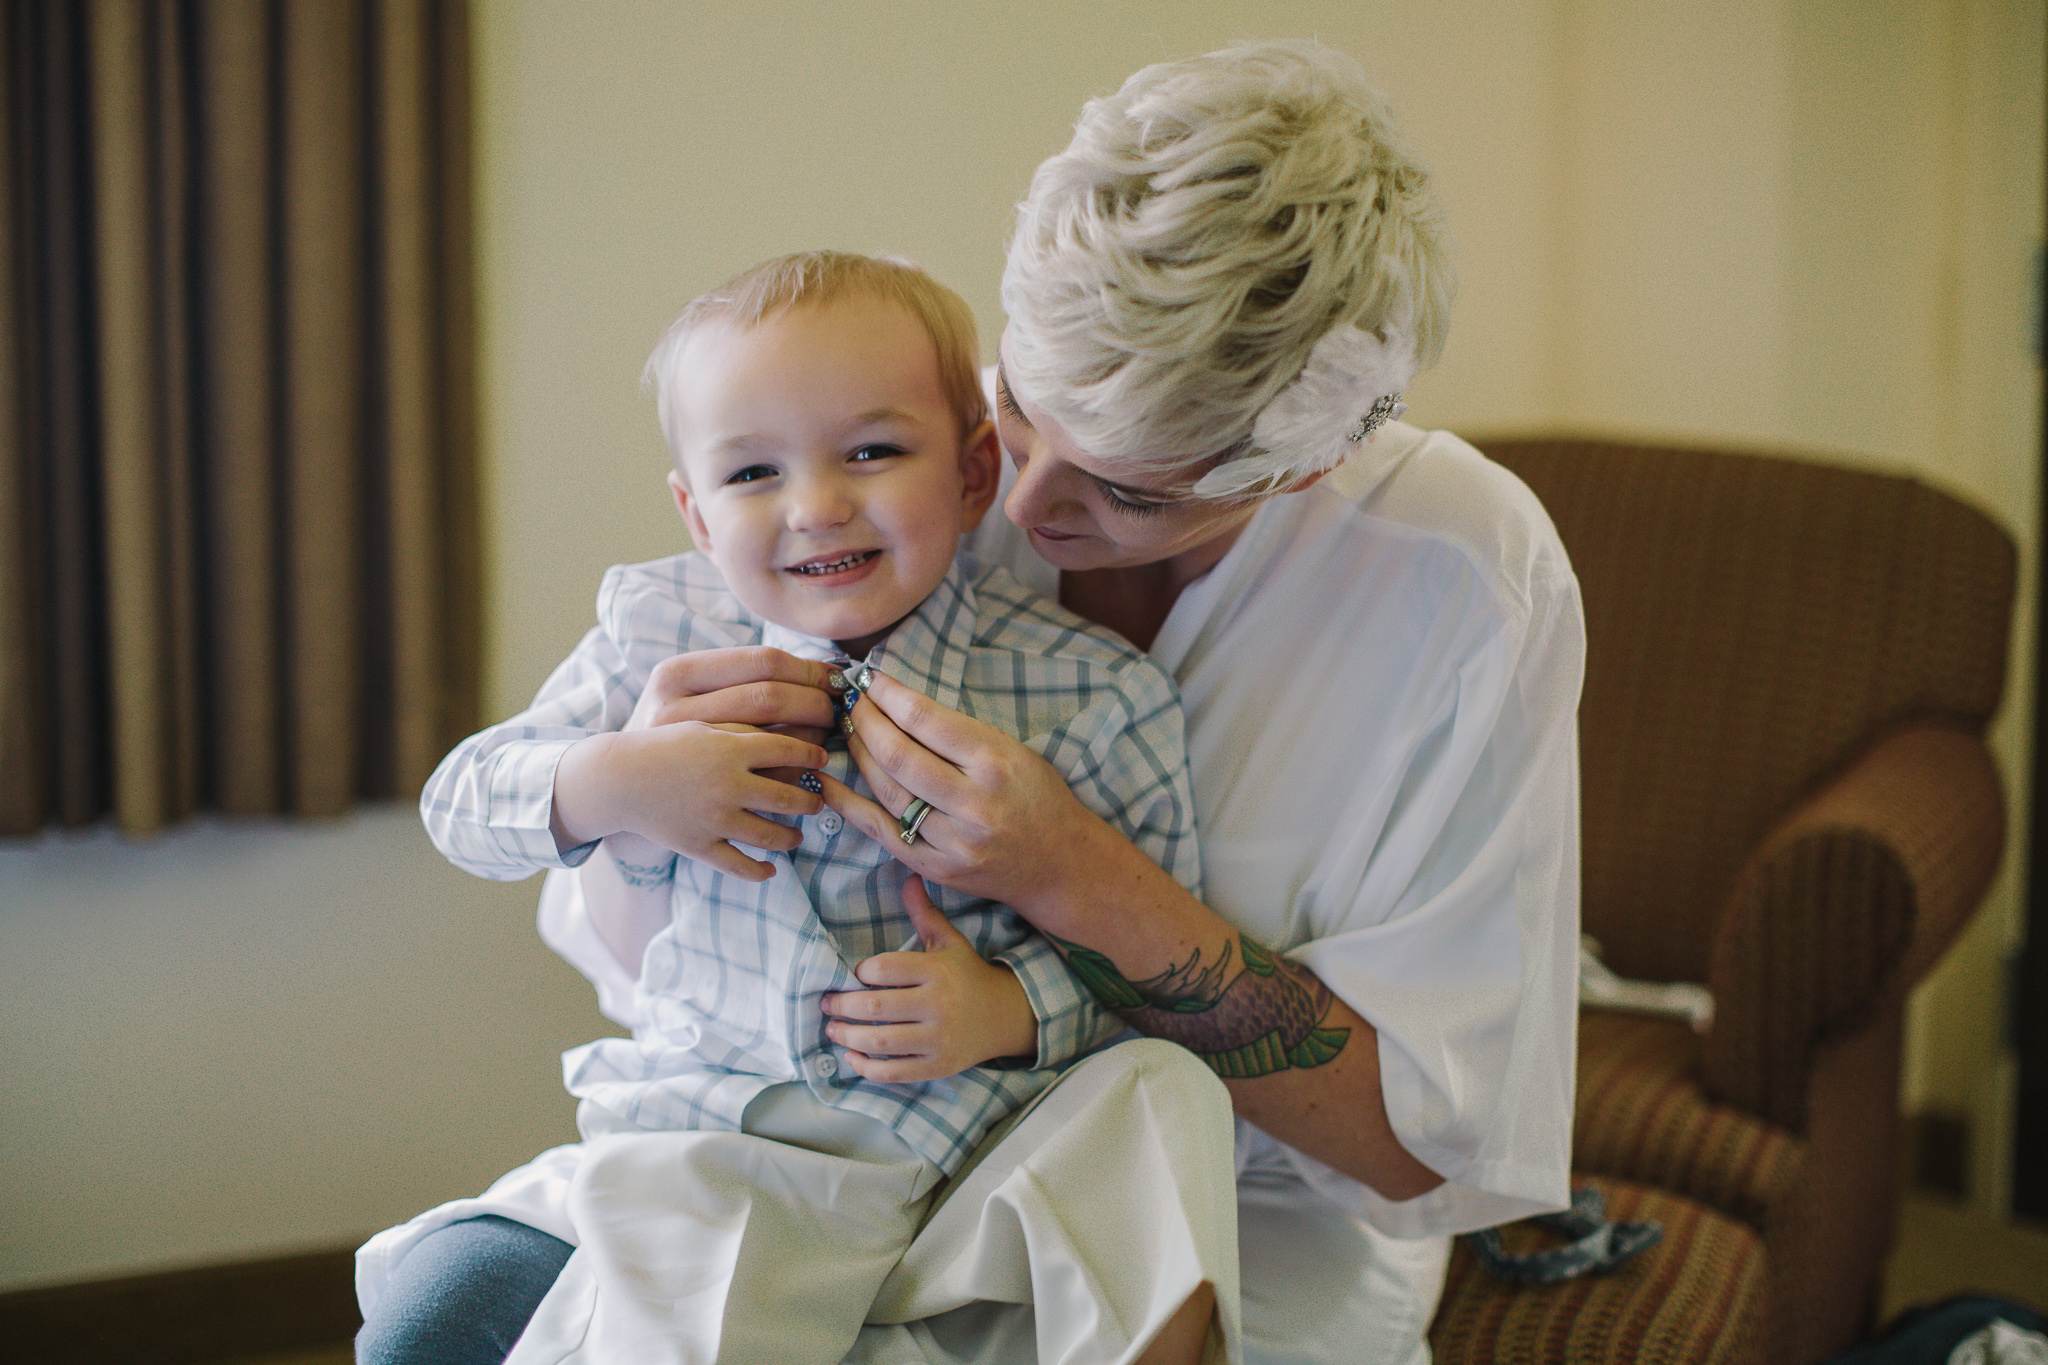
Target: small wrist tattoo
column 646, row 875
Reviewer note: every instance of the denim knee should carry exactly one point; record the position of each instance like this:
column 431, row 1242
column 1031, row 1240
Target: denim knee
column 463, row 1295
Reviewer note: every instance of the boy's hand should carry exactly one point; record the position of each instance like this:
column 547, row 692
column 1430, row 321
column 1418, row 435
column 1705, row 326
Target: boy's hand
column 931, row 1014
column 688, row 786
column 746, row 685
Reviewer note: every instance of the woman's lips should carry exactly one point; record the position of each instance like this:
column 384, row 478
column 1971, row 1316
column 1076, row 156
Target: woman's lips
column 1049, row 534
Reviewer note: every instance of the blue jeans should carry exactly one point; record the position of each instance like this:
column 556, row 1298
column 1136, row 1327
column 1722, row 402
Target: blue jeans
column 463, row 1295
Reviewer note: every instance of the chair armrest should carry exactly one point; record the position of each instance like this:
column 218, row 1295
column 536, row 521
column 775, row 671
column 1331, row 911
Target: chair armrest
column 1854, row 896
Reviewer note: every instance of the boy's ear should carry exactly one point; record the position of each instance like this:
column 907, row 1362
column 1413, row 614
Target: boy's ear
column 700, row 534
column 981, row 473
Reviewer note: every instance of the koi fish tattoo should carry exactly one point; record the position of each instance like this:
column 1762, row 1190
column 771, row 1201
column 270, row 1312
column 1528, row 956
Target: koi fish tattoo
column 1266, row 1017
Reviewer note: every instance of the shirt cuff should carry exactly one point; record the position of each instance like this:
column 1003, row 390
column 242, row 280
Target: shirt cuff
column 1070, row 1020
column 521, row 809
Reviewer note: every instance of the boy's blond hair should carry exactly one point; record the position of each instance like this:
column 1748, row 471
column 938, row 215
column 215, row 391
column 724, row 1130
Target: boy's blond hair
column 809, row 279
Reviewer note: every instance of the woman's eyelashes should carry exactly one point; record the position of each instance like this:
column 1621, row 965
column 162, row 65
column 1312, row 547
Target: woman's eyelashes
column 1128, row 506
column 1009, row 401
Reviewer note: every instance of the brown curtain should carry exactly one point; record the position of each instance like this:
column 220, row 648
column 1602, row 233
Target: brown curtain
column 238, row 561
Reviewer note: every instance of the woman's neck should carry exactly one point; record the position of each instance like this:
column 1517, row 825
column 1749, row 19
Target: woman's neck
column 1135, row 600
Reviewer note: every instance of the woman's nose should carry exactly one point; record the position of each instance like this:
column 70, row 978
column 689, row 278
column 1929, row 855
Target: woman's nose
column 1034, row 498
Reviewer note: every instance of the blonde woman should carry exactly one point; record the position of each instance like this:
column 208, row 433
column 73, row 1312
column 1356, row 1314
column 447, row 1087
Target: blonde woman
column 1217, row 295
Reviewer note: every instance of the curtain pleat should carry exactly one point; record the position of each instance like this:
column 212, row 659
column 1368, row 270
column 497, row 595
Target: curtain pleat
column 237, row 560
column 324, row 419
column 239, row 406
column 20, row 693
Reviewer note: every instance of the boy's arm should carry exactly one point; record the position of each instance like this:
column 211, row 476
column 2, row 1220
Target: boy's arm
column 1070, row 1019
column 489, row 805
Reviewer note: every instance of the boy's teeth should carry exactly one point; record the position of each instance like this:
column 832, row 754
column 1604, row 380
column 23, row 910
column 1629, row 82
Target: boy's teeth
column 832, row 565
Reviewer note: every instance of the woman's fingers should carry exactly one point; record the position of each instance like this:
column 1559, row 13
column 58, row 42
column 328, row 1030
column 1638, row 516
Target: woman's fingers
column 888, row 790
column 882, row 826
column 956, row 738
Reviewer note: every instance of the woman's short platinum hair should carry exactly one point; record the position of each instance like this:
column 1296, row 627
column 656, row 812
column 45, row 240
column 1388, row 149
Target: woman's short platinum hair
column 1171, row 270
column 811, row 279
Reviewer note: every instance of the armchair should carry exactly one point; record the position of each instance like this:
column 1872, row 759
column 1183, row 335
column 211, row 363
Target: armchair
column 1787, row 797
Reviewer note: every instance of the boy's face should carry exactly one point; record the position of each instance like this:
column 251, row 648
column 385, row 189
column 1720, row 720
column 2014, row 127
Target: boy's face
column 822, row 469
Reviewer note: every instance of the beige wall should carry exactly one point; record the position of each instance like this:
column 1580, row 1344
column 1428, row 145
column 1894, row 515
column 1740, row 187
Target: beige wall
column 1771, row 220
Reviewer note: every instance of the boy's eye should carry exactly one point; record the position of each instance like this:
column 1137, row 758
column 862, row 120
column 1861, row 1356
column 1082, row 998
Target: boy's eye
column 751, row 473
column 877, row 450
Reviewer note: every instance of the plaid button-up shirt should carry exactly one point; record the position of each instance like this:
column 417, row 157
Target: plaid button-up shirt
column 728, row 993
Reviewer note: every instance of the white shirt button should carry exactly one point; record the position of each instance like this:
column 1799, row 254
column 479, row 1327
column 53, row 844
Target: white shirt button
column 825, row 1065
column 830, row 822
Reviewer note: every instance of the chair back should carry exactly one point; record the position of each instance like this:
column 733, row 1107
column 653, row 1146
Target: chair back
column 1753, row 623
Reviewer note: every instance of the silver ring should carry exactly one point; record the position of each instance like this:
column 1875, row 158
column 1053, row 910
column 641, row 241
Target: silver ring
column 913, row 819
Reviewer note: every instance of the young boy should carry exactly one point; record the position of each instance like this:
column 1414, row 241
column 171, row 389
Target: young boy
column 831, row 444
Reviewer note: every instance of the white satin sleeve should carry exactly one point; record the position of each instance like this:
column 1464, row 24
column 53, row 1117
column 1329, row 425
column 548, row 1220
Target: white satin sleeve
column 566, row 928
column 1471, row 979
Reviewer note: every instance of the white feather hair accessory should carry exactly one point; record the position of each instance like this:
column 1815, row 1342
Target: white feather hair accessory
column 1352, row 384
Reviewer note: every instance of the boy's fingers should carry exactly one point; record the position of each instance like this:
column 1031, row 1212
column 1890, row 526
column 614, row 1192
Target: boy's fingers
column 776, row 791
column 715, row 670
column 892, row 971
column 732, row 862
column 751, row 685
column 930, row 922
column 754, row 703
column 757, row 831
column 879, row 1040
column 767, row 749
column 895, row 1070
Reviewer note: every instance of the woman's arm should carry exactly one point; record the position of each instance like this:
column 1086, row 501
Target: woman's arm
column 1165, row 961
column 626, row 887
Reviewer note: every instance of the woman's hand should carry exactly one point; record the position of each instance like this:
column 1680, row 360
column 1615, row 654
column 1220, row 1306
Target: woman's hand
column 932, row 1014
column 1003, row 823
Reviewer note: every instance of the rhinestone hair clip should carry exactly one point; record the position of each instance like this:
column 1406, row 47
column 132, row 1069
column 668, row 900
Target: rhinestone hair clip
column 1383, row 411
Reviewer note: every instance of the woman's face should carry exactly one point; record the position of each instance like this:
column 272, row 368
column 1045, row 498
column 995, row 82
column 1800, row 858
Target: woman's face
column 1080, row 515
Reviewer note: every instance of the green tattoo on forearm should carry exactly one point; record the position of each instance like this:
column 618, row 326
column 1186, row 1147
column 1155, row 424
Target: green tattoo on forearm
column 1266, row 1018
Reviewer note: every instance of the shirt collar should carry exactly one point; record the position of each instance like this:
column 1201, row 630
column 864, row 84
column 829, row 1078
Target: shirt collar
column 927, row 650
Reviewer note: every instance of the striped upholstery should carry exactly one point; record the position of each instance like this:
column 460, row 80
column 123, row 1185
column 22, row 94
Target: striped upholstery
column 1696, row 1298
column 1752, row 624
column 1786, row 797
column 1641, row 1115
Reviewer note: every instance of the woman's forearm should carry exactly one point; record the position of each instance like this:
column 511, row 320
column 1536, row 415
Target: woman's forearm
column 626, row 888
column 1300, row 1063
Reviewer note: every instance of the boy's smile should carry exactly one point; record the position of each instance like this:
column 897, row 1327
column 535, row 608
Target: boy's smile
column 822, row 468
